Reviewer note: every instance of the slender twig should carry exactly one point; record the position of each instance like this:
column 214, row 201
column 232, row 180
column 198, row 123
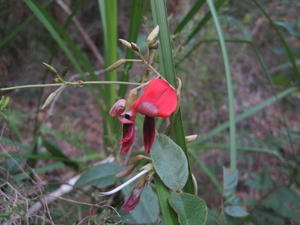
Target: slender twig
column 148, row 64
column 75, row 83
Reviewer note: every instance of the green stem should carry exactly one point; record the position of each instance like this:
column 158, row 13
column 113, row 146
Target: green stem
column 76, row 83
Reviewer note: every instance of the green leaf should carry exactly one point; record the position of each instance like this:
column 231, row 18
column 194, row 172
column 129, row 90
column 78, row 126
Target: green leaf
column 236, row 211
column 190, row 209
column 169, row 162
column 285, row 202
column 102, row 175
column 230, row 180
column 147, row 211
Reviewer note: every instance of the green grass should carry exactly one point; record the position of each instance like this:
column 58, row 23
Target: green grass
column 230, row 91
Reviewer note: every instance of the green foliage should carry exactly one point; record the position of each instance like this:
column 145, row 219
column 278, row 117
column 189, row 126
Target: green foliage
column 276, row 193
column 169, row 162
column 147, row 211
column 230, row 181
column 190, row 209
column 101, row 175
column 57, row 152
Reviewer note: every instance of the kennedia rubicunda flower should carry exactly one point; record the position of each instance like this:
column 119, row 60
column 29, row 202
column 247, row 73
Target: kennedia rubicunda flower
column 158, row 99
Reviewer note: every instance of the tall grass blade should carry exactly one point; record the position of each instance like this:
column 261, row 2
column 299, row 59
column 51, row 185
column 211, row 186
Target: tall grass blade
column 230, row 91
column 189, row 16
column 77, row 6
column 168, row 71
column 136, row 19
column 108, row 9
column 204, row 21
column 249, row 112
column 242, row 148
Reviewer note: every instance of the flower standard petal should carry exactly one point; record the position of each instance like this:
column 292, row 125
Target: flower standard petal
column 159, row 99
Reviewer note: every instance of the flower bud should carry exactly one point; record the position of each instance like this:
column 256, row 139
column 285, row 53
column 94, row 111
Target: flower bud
column 134, row 197
column 126, row 43
column 152, row 36
column 191, row 138
column 116, row 65
column 155, row 45
column 118, row 108
column 50, row 68
column 135, row 47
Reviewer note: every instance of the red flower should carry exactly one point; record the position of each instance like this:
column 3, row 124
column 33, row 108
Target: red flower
column 159, row 99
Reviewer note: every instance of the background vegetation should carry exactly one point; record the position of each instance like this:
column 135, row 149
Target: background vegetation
column 239, row 66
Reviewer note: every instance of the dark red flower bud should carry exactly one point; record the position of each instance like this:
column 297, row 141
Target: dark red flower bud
column 134, row 197
column 118, row 108
column 148, row 132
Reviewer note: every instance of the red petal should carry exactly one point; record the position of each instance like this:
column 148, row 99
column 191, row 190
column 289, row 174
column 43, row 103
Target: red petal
column 148, row 132
column 159, row 99
column 128, row 137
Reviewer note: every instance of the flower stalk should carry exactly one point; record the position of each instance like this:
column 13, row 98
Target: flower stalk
column 66, row 83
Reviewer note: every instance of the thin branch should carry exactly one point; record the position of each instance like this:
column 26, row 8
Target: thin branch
column 75, row 83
